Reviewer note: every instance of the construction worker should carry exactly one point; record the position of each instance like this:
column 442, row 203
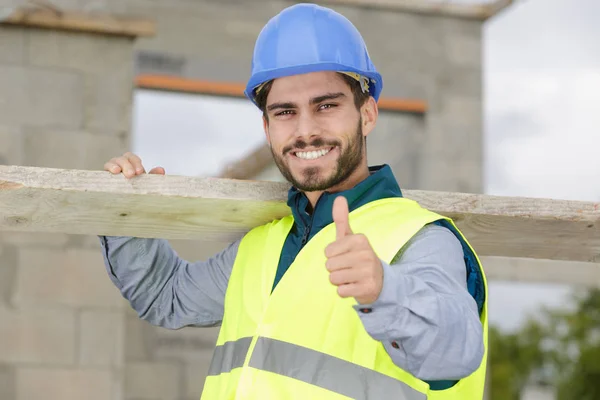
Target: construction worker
column 359, row 293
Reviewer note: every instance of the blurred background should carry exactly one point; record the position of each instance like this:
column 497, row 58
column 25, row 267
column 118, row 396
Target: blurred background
column 497, row 97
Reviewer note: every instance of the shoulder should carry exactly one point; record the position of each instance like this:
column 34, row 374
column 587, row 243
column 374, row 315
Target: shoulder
column 432, row 248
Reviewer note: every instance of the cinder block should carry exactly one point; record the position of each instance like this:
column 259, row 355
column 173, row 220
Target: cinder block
column 37, row 335
column 12, row 45
column 73, row 277
column 195, row 375
column 39, row 97
column 11, row 144
column 108, row 103
column 147, row 381
column 464, row 50
column 7, row 382
column 70, row 149
column 8, row 272
column 139, row 338
column 35, row 239
column 63, row 384
column 187, row 344
column 83, row 52
column 101, row 338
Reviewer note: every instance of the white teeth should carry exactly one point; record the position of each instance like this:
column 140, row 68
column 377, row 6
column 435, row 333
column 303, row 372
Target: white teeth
column 311, row 155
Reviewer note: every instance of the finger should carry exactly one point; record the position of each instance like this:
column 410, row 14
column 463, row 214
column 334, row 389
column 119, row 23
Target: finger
column 346, row 276
column 125, row 165
column 157, row 171
column 112, row 167
column 341, row 217
column 349, row 290
column 136, row 162
column 342, row 261
column 347, row 244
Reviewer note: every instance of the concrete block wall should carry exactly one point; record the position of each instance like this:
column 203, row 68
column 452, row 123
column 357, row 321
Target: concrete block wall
column 65, row 101
column 435, row 58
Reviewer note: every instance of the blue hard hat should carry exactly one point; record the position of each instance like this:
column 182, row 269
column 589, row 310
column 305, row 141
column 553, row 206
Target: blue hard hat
column 307, row 38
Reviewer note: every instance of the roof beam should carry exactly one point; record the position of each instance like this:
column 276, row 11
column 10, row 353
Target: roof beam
column 57, row 19
column 448, row 8
column 176, row 207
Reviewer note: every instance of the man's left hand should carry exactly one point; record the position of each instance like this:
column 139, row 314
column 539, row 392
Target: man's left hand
column 351, row 261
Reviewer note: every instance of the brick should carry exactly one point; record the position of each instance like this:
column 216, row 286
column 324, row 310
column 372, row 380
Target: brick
column 63, row 384
column 37, row 335
column 148, row 381
column 83, row 52
column 101, row 338
column 7, row 382
column 11, row 145
column 73, row 277
column 70, row 149
column 12, row 45
column 39, row 97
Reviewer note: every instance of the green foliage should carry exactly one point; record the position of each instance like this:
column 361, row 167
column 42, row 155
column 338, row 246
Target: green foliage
column 564, row 344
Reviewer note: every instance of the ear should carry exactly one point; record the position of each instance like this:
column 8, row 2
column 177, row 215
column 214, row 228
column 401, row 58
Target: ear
column 369, row 112
column 266, row 129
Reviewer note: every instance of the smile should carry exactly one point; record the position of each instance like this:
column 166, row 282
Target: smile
column 311, row 155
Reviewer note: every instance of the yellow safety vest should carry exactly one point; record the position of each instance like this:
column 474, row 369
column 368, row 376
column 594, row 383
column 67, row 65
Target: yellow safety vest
column 303, row 341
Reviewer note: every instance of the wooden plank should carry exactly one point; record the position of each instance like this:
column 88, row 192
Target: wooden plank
column 481, row 11
column 186, row 85
column 527, row 270
column 81, row 22
column 96, row 202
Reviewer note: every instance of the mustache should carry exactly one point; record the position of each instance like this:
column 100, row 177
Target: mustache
column 318, row 142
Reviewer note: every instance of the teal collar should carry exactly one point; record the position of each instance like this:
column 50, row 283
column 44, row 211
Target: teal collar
column 380, row 184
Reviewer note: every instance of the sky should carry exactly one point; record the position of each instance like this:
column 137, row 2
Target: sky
column 542, row 120
column 541, row 116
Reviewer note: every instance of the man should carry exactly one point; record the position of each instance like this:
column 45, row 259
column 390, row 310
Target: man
column 360, row 293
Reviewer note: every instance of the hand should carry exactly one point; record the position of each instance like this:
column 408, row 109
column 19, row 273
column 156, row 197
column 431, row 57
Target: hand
column 351, row 261
column 130, row 165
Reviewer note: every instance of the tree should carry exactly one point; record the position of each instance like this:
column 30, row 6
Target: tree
column 561, row 345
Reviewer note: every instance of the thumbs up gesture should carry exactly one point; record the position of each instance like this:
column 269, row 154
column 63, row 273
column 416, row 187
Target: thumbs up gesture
column 351, row 261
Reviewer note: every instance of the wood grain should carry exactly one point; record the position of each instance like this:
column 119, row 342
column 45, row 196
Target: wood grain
column 175, row 207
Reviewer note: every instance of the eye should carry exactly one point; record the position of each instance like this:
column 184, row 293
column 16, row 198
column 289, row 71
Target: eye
column 284, row 112
column 327, row 106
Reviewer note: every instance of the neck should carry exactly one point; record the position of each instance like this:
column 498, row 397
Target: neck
column 359, row 175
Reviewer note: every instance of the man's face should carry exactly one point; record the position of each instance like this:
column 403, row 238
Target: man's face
column 314, row 129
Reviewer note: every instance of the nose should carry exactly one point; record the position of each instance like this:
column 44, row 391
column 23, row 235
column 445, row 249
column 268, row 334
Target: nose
column 307, row 126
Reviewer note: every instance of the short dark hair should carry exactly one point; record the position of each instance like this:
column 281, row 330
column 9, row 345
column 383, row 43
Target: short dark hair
column 360, row 97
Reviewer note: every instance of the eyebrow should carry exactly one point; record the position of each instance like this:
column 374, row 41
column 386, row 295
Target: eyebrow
column 314, row 100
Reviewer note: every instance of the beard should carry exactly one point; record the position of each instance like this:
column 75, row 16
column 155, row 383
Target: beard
column 314, row 179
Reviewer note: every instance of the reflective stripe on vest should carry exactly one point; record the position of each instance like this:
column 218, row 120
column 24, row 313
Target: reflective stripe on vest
column 229, row 355
column 312, row 367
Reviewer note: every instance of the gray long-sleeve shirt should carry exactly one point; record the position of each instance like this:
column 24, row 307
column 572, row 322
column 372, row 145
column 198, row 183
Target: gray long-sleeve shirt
column 424, row 308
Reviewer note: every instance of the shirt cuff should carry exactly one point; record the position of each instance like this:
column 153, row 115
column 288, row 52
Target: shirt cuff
column 378, row 316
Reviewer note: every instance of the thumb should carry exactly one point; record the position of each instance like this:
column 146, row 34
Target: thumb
column 157, row 171
column 340, row 217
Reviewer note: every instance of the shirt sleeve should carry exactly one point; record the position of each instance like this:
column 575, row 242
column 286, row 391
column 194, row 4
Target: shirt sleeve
column 425, row 317
column 163, row 288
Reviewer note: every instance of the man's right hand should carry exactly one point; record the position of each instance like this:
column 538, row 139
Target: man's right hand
column 130, row 165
